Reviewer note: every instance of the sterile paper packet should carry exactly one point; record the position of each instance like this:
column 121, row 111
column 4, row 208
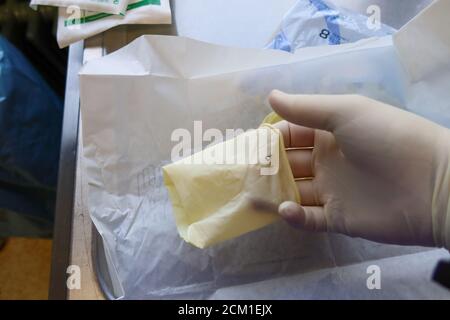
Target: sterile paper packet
column 104, row 6
column 74, row 26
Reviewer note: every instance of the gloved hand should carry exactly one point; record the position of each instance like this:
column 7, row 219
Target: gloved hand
column 374, row 171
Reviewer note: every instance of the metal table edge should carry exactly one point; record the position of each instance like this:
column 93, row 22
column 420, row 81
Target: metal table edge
column 62, row 233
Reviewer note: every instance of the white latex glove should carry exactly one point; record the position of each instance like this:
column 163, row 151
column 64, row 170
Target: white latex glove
column 377, row 172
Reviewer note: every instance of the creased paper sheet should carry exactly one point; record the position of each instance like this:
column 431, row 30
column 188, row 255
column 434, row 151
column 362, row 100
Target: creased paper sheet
column 133, row 99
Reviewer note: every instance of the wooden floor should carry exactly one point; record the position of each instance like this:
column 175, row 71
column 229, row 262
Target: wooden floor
column 25, row 268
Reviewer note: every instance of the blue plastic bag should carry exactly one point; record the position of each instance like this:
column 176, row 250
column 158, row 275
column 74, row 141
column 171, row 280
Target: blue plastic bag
column 30, row 133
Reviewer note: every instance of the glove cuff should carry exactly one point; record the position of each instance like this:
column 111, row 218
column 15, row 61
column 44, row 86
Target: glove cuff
column 441, row 205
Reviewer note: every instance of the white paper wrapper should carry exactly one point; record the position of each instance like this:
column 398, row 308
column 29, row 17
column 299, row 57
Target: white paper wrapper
column 106, row 6
column 133, row 99
column 75, row 25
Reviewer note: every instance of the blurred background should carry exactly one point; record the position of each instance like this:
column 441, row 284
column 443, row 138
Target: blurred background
column 32, row 81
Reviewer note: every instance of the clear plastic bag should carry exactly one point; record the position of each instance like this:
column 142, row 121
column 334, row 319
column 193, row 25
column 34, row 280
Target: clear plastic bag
column 315, row 22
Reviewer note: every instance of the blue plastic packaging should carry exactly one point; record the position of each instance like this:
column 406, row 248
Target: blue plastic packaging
column 30, row 133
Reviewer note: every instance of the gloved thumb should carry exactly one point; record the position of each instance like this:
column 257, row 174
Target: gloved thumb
column 303, row 217
column 323, row 112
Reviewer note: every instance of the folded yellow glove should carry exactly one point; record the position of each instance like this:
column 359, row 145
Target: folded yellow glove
column 214, row 202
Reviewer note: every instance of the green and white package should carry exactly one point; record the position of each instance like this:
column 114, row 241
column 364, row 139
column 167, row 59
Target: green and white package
column 106, row 6
column 73, row 27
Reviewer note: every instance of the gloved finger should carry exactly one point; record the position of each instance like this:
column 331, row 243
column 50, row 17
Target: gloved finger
column 323, row 112
column 283, row 126
column 295, row 136
column 300, row 136
column 304, row 217
column 301, row 162
column 308, row 193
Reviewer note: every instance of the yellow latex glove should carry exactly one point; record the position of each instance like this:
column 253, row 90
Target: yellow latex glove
column 214, row 202
column 379, row 172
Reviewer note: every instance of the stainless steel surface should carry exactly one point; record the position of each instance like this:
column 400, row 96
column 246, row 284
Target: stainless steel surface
column 249, row 23
column 66, row 178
